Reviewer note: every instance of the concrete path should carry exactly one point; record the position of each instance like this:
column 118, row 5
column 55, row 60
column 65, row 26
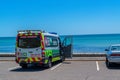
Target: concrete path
column 67, row 59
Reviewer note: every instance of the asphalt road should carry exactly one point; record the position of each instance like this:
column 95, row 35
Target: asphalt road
column 68, row 70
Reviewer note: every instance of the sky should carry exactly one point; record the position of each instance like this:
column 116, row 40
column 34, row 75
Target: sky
column 66, row 17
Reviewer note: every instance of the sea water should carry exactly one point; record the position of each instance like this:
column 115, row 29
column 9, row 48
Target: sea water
column 7, row 44
column 95, row 43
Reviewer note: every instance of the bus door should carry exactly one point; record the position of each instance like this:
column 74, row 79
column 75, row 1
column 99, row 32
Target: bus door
column 67, row 46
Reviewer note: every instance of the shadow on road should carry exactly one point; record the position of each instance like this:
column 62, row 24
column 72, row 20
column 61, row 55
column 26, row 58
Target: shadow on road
column 115, row 66
column 35, row 68
column 29, row 69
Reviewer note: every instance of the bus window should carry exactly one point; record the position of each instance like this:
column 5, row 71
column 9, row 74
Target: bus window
column 29, row 42
column 55, row 42
column 51, row 41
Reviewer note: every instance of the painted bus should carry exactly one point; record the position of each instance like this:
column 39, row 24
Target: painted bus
column 36, row 47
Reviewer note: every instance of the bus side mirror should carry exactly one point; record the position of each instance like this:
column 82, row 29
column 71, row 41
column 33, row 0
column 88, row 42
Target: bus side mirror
column 106, row 49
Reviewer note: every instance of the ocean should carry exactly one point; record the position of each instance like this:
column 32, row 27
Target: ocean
column 95, row 43
column 7, row 44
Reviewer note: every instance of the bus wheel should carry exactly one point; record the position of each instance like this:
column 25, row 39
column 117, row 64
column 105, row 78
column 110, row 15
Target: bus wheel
column 62, row 59
column 24, row 66
column 49, row 64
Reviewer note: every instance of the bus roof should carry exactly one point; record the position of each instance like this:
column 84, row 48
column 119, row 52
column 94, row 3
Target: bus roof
column 49, row 34
column 30, row 31
column 38, row 31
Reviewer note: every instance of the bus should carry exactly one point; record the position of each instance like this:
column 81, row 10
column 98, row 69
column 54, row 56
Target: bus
column 36, row 47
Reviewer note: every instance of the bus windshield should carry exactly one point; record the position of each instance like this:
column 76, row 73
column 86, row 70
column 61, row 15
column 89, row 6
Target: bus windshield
column 29, row 42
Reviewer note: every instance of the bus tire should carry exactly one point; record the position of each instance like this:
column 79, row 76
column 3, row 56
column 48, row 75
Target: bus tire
column 62, row 59
column 49, row 64
column 24, row 66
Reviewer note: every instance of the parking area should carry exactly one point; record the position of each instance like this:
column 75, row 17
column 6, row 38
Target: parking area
column 68, row 70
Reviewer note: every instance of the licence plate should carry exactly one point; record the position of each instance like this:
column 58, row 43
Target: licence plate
column 23, row 55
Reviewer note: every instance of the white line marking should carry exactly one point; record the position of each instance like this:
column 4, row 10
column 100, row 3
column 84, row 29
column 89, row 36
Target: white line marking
column 97, row 66
column 55, row 66
column 13, row 68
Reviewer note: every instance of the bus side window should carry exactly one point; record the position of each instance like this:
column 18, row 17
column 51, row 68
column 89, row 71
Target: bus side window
column 47, row 41
column 55, row 42
column 51, row 41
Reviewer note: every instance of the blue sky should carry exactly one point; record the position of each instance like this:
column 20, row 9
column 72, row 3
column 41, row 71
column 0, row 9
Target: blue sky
column 62, row 16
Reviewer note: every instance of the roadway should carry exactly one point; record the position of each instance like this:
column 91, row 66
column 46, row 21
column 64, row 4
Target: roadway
column 68, row 70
